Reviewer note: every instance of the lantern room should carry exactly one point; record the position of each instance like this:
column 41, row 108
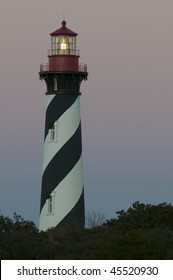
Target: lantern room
column 63, row 41
column 63, row 55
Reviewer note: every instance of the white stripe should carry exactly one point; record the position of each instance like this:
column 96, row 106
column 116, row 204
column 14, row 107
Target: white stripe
column 66, row 126
column 49, row 98
column 66, row 195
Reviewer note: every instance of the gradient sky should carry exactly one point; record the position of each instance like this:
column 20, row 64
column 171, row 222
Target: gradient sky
column 126, row 104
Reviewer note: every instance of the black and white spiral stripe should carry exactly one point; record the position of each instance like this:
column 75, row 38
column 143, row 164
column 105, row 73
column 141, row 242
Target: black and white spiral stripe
column 62, row 164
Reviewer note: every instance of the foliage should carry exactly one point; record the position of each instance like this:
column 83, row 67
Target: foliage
column 17, row 223
column 144, row 231
column 144, row 216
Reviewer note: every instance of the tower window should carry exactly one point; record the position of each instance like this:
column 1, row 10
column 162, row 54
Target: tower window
column 50, row 204
column 53, row 132
column 55, row 84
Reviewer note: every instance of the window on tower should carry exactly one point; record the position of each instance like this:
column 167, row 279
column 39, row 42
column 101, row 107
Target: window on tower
column 55, row 84
column 53, row 133
column 50, row 204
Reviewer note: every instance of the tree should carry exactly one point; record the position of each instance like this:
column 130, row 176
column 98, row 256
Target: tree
column 144, row 231
column 94, row 219
column 18, row 238
column 144, row 216
column 17, row 223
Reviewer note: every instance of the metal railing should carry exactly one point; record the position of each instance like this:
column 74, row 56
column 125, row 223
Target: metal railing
column 82, row 67
column 44, row 67
column 52, row 52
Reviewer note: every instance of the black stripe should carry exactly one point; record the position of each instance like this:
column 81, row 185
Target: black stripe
column 58, row 105
column 61, row 164
column 77, row 215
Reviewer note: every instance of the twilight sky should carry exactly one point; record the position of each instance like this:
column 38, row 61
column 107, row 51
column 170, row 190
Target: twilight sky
column 126, row 104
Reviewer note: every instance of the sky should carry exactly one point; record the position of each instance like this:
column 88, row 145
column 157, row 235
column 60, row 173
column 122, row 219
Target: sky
column 126, row 104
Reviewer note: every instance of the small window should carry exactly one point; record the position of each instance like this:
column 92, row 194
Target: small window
column 55, row 84
column 53, row 132
column 50, row 204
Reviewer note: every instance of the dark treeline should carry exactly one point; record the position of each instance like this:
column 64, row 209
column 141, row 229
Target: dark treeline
column 144, row 231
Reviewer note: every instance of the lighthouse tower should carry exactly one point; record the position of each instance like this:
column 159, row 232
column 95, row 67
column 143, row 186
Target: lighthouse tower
column 62, row 193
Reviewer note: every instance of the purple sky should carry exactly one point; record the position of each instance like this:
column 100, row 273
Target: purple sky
column 126, row 104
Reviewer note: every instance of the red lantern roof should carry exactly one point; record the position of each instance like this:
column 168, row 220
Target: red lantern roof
column 63, row 31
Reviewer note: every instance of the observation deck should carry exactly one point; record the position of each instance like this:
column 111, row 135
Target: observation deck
column 46, row 67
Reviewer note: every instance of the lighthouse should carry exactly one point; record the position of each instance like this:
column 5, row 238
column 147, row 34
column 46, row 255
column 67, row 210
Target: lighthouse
column 62, row 190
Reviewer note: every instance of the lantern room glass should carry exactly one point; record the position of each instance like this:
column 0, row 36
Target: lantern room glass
column 63, row 45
